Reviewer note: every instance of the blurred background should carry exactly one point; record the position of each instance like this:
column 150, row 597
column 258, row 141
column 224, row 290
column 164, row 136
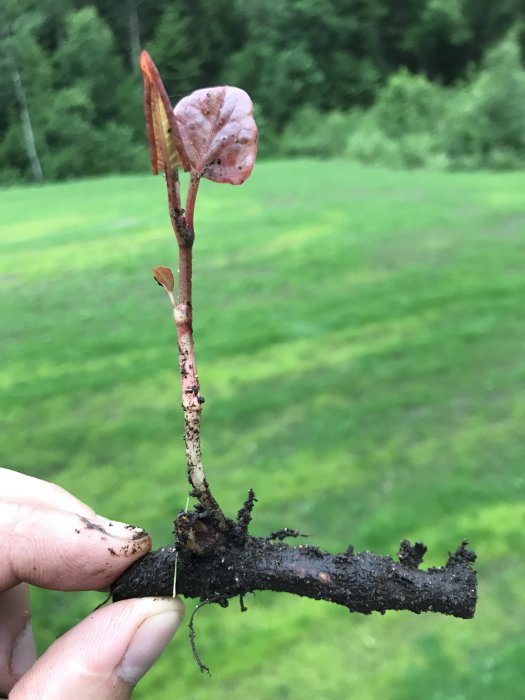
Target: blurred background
column 436, row 83
column 384, row 220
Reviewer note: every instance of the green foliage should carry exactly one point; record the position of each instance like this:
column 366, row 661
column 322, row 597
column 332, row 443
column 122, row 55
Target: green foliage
column 488, row 124
column 441, row 23
column 479, row 124
column 371, row 146
column 178, row 63
column 303, row 52
column 408, row 104
column 12, row 151
column 314, row 133
column 400, row 129
column 285, row 79
column 411, row 425
column 22, row 61
column 78, row 103
column 80, row 149
column 296, row 58
column 69, row 132
column 267, row 145
column 86, row 58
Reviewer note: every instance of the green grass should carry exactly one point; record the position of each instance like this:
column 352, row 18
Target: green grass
column 360, row 337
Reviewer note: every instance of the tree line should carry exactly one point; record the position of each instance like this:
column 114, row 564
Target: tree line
column 317, row 70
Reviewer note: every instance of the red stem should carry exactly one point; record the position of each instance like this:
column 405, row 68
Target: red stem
column 173, row 187
column 185, row 272
column 190, row 200
column 183, row 315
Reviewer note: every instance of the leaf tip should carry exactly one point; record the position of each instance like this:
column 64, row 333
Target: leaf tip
column 145, row 63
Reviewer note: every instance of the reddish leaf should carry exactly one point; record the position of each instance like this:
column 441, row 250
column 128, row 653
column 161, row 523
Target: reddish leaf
column 165, row 144
column 164, row 277
column 219, row 134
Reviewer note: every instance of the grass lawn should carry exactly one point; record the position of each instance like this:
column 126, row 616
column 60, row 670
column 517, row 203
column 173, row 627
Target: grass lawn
column 361, row 344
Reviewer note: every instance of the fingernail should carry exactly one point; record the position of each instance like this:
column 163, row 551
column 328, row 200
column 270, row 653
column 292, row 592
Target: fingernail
column 114, row 528
column 23, row 655
column 150, row 640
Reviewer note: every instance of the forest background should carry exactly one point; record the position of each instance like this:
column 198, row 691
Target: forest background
column 437, row 83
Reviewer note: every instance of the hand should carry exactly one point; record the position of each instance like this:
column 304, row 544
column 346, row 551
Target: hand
column 50, row 539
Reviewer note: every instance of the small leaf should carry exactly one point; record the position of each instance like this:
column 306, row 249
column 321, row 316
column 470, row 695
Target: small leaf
column 164, row 277
column 219, row 133
column 165, row 144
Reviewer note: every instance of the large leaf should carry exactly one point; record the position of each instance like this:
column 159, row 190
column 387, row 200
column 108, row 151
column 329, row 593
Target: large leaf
column 165, row 144
column 219, row 134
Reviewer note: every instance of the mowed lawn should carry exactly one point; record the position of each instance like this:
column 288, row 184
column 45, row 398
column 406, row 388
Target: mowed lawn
column 361, row 344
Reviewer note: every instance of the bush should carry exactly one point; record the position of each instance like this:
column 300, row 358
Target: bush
column 421, row 150
column 372, row 147
column 402, row 129
column 487, row 124
column 480, row 124
column 408, row 104
column 268, row 144
column 319, row 134
column 10, row 176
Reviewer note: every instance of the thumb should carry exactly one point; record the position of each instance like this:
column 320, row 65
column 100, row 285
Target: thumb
column 106, row 654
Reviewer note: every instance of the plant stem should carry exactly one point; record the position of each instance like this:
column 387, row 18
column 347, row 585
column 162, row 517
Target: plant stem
column 192, row 405
column 174, row 204
column 185, row 272
column 190, row 200
column 183, row 316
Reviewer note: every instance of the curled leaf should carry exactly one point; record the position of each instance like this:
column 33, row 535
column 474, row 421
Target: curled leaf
column 165, row 144
column 219, row 134
column 164, row 277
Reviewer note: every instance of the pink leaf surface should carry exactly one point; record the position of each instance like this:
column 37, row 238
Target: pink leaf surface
column 218, row 133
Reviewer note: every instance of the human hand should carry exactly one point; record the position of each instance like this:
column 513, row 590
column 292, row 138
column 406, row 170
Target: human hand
column 50, row 539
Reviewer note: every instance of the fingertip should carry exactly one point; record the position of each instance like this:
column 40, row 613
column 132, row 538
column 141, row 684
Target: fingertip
column 116, row 529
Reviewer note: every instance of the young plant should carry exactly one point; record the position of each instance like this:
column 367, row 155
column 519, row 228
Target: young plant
column 212, row 134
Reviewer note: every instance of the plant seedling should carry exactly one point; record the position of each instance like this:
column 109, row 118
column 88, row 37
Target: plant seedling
column 212, row 134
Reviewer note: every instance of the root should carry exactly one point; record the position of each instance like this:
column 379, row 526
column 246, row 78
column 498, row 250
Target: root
column 217, row 566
